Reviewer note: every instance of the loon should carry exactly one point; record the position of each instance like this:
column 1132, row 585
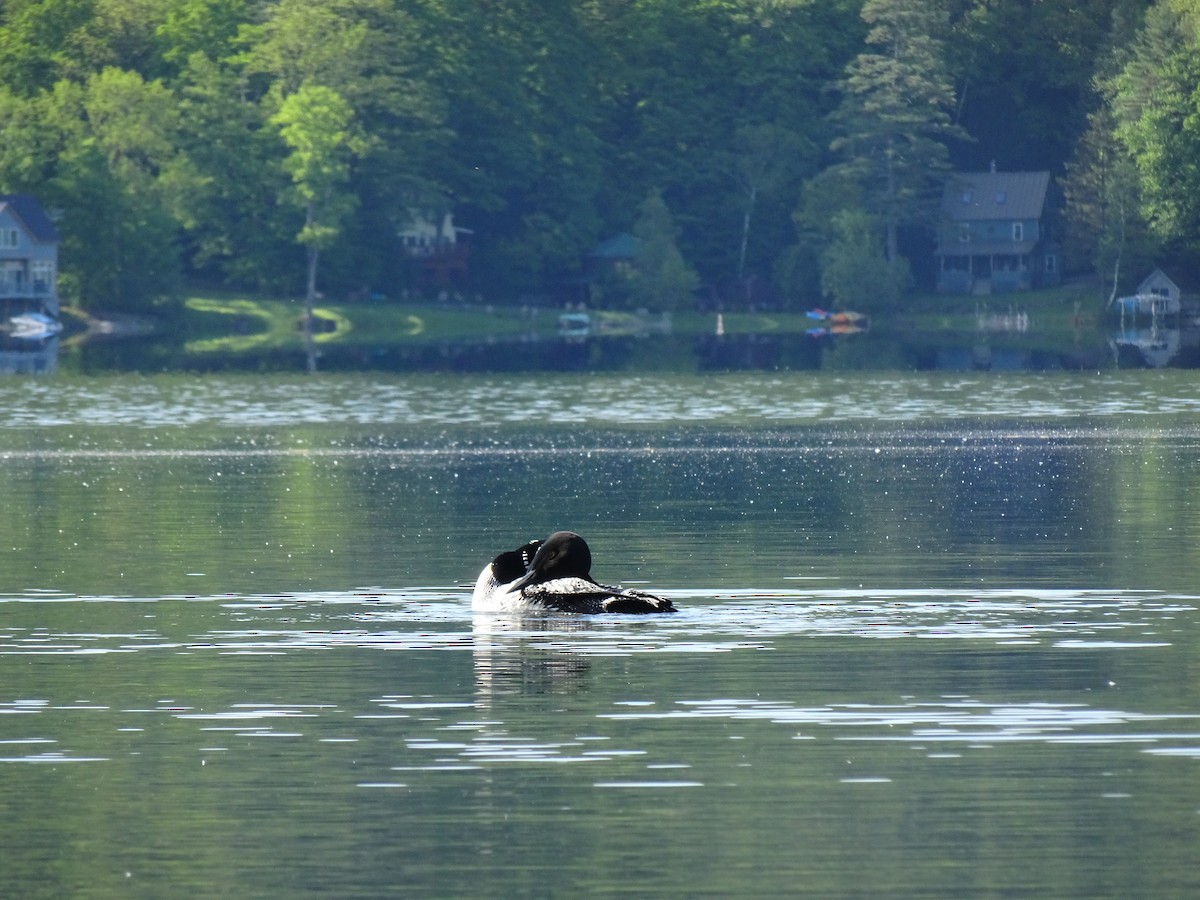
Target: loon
column 555, row 574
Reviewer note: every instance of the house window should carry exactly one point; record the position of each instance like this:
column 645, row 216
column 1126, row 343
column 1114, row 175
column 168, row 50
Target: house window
column 10, row 238
column 41, row 273
column 967, row 197
column 964, row 233
column 1018, row 231
column 1001, row 197
column 1051, row 263
column 12, row 275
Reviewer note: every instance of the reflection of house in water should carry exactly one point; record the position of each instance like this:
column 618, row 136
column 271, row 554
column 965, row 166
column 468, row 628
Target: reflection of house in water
column 1156, row 347
column 28, row 357
column 439, row 250
column 986, row 358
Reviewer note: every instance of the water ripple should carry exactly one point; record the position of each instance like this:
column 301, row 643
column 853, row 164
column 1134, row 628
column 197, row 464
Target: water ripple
column 768, row 398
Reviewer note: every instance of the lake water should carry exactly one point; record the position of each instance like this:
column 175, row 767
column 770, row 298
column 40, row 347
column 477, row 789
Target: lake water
column 938, row 636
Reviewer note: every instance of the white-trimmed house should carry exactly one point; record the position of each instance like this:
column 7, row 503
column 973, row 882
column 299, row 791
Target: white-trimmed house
column 28, row 256
column 1158, row 295
column 995, row 234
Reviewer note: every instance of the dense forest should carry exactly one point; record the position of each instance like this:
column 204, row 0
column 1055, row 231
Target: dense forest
column 788, row 148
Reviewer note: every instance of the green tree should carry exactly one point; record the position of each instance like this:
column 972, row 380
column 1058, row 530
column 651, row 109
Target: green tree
column 685, row 84
column 1155, row 103
column 521, row 157
column 1025, row 73
column 36, row 37
column 129, row 155
column 107, row 154
column 28, row 142
column 855, row 270
column 208, row 27
column 238, row 233
column 317, row 125
column 364, row 52
column 895, row 115
column 1105, row 229
column 765, row 159
column 661, row 279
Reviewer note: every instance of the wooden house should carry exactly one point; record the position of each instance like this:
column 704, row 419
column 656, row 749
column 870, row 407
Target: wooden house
column 995, row 233
column 439, row 250
column 620, row 253
column 617, row 255
column 28, row 256
column 1159, row 294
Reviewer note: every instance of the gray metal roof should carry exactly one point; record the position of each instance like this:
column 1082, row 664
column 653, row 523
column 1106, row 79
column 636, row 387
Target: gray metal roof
column 983, row 196
column 30, row 212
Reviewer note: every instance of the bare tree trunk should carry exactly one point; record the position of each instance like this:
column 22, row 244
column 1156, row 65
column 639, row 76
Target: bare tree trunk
column 1117, row 263
column 753, row 192
column 893, row 243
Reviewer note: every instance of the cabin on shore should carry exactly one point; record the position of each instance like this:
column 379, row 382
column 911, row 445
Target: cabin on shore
column 1161, row 294
column 28, row 257
column 438, row 249
column 996, row 234
column 617, row 255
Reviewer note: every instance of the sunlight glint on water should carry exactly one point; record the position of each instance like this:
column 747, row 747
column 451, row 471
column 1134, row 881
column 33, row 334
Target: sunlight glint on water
column 937, row 636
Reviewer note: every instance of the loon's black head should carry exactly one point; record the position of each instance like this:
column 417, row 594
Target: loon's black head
column 563, row 555
column 512, row 564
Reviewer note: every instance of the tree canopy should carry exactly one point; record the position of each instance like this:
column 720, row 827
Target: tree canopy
column 233, row 141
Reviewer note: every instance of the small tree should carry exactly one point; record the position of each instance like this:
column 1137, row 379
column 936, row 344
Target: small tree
column 661, row 279
column 316, row 124
column 855, row 270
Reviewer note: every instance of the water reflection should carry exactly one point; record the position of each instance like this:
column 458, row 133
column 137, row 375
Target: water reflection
column 259, row 415
column 1156, row 346
column 482, row 748
column 1000, row 342
column 28, row 357
column 512, row 656
column 949, row 618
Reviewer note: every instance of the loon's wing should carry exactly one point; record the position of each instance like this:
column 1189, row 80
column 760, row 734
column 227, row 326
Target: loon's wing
column 581, row 595
column 631, row 601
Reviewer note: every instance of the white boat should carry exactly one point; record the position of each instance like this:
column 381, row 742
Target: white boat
column 33, row 326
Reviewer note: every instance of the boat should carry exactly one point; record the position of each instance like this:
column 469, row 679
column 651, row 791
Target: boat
column 33, row 326
column 846, row 322
column 574, row 325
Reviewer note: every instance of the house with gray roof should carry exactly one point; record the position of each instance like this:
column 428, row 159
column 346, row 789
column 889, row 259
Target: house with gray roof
column 28, row 256
column 1160, row 294
column 995, row 233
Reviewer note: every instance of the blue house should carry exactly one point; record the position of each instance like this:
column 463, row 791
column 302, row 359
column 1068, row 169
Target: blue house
column 995, row 234
column 28, row 256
